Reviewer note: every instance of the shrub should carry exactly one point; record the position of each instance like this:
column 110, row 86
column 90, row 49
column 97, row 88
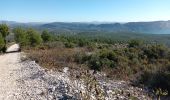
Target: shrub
column 69, row 45
column 46, row 36
column 91, row 47
column 83, row 43
column 98, row 61
column 34, row 37
column 108, row 63
column 108, row 54
column 2, row 43
column 95, row 63
column 4, row 31
column 21, row 36
column 156, row 51
column 81, row 58
column 28, row 37
column 157, row 79
column 135, row 43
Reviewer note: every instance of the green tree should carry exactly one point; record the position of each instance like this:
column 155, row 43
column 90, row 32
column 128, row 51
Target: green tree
column 34, row 37
column 20, row 36
column 2, row 43
column 4, row 30
column 46, row 36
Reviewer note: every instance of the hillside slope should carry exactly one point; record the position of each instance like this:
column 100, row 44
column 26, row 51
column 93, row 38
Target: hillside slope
column 27, row 80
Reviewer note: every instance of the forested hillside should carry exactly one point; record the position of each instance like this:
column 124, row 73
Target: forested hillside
column 156, row 27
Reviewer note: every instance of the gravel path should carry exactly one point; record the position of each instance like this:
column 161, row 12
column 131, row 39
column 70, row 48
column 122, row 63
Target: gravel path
column 8, row 63
column 26, row 80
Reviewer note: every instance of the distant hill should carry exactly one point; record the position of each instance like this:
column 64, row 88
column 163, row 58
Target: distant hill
column 14, row 24
column 155, row 27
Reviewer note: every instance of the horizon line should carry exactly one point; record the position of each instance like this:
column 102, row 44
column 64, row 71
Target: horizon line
column 80, row 21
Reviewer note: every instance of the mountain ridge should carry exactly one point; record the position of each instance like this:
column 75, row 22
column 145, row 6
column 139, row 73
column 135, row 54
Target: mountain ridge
column 152, row 27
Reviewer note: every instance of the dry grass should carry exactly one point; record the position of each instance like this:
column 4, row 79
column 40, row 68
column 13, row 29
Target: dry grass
column 54, row 58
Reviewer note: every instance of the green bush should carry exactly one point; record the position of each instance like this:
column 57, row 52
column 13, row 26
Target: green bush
column 69, row 45
column 27, row 37
column 46, row 36
column 21, row 36
column 108, row 54
column 2, row 43
column 91, row 46
column 156, row 51
column 82, row 43
column 108, row 63
column 98, row 61
column 81, row 58
column 34, row 37
column 135, row 43
column 95, row 63
column 157, row 79
column 4, row 32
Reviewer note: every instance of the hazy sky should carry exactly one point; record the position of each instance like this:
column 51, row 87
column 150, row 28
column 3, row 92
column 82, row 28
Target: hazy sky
column 84, row 10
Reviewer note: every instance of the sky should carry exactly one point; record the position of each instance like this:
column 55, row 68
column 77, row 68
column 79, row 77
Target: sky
column 84, row 10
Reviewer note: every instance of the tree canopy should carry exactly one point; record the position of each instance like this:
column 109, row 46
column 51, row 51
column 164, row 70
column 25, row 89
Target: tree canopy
column 46, row 36
column 4, row 30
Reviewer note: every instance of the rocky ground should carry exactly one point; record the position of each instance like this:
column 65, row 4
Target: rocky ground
column 26, row 80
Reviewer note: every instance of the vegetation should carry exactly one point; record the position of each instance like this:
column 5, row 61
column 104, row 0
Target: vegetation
column 160, row 93
column 135, row 43
column 4, row 32
column 46, row 36
column 140, row 61
column 2, row 43
column 20, row 36
column 27, row 37
column 34, row 38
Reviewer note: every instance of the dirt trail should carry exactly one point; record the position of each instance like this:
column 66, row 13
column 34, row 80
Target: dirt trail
column 8, row 63
column 26, row 80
